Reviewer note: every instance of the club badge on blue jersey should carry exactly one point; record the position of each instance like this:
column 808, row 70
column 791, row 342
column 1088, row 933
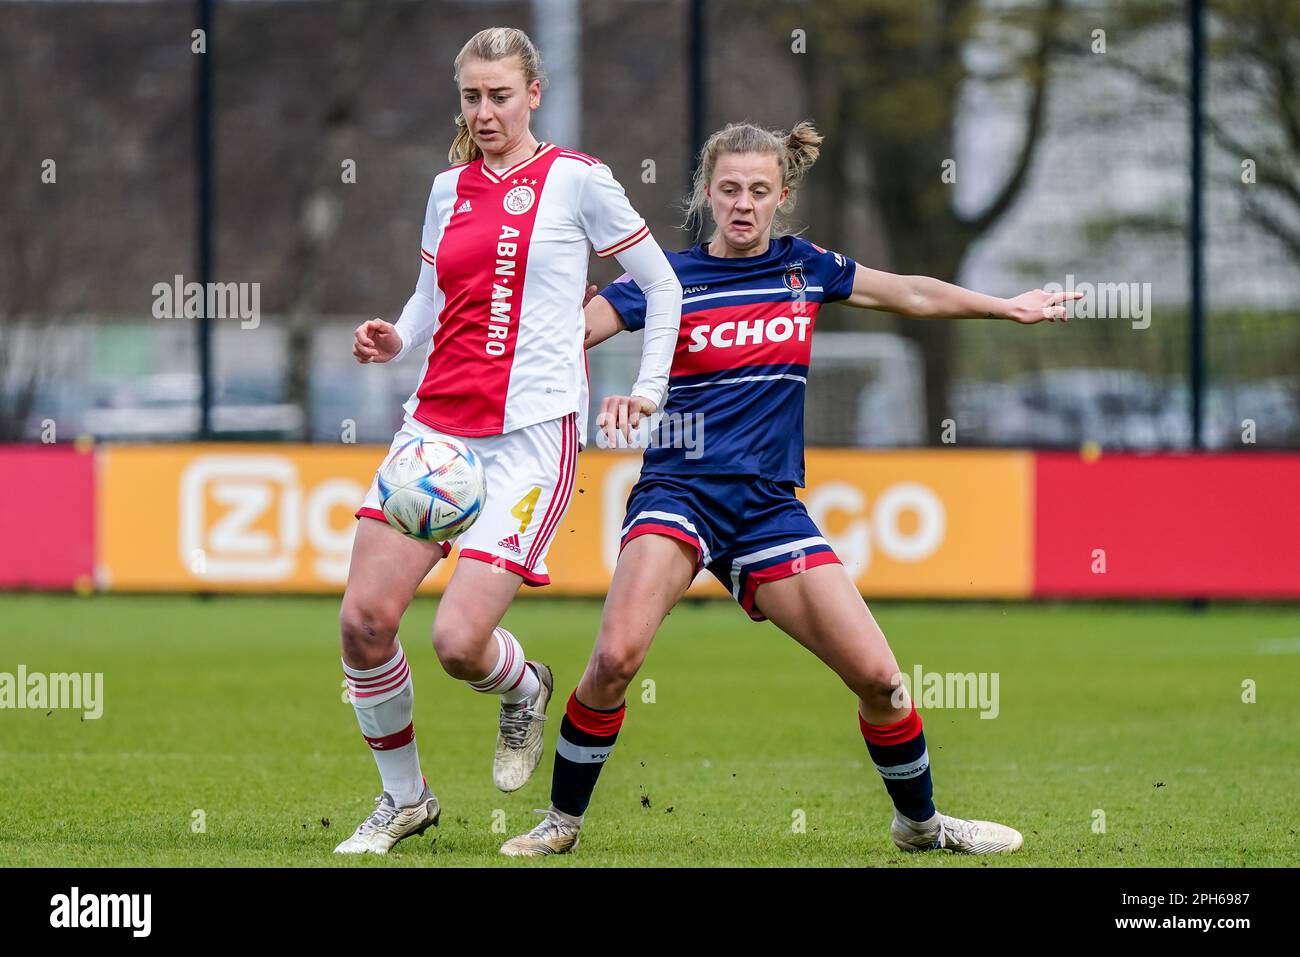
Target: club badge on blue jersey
column 742, row 358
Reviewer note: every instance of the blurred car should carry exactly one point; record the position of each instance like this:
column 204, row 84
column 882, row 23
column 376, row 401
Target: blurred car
column 1272, row 405
column 165, row 407
column 1064, row 408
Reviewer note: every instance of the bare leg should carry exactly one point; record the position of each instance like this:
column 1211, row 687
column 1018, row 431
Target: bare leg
column 822, row 610
column 386, row 569
column 652, row 575
column 477, row 598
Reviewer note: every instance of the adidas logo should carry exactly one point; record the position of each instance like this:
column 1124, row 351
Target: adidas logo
column 510, row 542
column 463, row 207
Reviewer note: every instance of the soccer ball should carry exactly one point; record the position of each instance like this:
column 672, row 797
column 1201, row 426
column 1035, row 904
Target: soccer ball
column 431, row 488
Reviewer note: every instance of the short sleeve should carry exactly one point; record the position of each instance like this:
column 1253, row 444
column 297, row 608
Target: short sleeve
column 834, row 272
column 610, row 222
column 628, row 301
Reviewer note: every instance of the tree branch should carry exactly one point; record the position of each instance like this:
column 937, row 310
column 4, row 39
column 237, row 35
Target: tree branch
column 1257, row 214
column 988, row 217
column 1217, row 132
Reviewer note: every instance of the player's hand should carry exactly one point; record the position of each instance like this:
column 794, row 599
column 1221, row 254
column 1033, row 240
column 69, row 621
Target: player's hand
column 376, row 341
column 622, row 413
column 1036, row 305
column 589, row 295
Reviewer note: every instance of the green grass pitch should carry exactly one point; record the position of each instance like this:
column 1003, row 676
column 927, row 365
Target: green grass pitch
column 229, row 711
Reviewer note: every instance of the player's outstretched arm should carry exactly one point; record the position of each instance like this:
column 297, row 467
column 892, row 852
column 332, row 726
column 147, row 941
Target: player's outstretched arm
column 922, row 297
column 603, row 320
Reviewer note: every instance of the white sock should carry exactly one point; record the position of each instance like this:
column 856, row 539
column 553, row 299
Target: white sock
column 511, row 678
column 384, row 699
column 575, row 820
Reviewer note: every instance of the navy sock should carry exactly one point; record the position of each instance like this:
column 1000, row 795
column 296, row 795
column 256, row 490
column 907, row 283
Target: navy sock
column 587, row 736
column 899, row 753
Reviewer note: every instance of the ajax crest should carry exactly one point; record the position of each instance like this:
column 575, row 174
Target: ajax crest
column 519, row 200
column 794, row 280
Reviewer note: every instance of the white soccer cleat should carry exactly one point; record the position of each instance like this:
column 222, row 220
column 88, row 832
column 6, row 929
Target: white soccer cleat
column 388, row 824
column 519, row 738
column 557, row 834
column 954, row 834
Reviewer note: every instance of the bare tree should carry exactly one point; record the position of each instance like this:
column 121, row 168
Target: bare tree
column 888, row 78
column 28, row 283
column 318, row 201
column 1254, row 50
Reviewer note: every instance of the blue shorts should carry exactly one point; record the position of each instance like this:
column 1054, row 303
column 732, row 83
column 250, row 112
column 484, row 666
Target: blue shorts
column 746, row 530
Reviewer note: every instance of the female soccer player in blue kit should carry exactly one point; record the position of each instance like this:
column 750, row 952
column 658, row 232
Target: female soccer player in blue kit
column 743, row 350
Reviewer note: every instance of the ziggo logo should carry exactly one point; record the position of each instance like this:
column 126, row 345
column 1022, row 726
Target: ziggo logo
column 884, row 528
column 250, row 487
column 907, row 522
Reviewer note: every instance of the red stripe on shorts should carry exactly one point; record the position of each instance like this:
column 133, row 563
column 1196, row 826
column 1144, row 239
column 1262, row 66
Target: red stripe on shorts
column 563, row 492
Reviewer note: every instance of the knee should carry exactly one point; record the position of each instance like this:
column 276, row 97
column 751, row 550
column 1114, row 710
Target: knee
column 458, row 647
column 881, row 687
column 614, row 665
column 368, row 631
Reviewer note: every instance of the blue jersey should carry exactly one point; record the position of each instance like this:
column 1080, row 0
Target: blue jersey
column 741, row 364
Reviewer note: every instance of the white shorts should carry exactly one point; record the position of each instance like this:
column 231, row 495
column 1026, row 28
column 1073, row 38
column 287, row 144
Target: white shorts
column 529, row 475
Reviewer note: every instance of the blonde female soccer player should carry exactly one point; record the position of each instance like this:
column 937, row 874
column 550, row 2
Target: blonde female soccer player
column 729, row 504
column 507, row 232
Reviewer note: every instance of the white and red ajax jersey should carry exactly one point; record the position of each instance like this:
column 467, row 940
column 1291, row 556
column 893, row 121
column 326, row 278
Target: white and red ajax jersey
column 510, row 250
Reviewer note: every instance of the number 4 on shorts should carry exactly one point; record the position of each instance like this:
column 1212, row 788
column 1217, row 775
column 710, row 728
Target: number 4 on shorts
column 524, row 509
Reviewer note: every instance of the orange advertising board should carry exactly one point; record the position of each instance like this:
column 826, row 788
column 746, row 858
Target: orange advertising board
column 279, row 518
column 927, row 523
column 229, row 517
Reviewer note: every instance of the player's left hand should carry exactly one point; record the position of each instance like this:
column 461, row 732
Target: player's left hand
column 376, row 341
column 622, row 413
column 589, row 295
column 1036, row 305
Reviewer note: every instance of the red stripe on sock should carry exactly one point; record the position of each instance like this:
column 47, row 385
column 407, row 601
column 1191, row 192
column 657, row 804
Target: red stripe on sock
column 508, row 654
column 519, row 679
column 600, row 723
column 900, row 732
column 393, row 684
column 397, row 739
column 379, row 679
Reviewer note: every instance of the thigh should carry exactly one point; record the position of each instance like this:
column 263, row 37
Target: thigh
column 477, row 597
column 385, row 570
column 822, row 610
column 652, row 575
